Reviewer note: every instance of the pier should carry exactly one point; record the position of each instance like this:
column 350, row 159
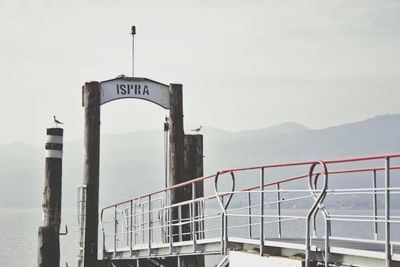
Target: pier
column 273, row 217
column 339, row 212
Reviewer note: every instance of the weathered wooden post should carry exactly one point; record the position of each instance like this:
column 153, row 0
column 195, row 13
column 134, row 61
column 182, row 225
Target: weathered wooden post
column 193, row 168
column 176, row 135
column 186, row 162
column 91, row 102
column 176, row 153
column 193, row 160
column 49, row 241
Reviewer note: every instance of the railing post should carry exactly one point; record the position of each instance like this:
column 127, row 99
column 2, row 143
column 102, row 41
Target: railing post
column 201, row 217
column 327, row 243
column 222, row 227
column 179, row 261
column 278, row 209
column 387, row 212
column 150, row 224
column 135, row 223
column 180, row 221
column 222, row 232
column 141, row 219
column 249, row 213
column 374, row 205
column 115, row 230
column 131, row 229
column 262, row 212
column 80, row 262
column 194, row 216
column 170, row 229
column 314, row 219
column 226, row 234
column 163, row 236
column 81, row 220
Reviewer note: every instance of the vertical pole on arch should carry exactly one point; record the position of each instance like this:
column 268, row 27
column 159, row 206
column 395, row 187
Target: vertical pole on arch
column 91, row 103
column 176, row 150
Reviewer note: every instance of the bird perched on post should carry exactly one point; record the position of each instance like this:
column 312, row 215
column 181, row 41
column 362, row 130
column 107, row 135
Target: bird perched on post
column 57, row 122
column 197, row 129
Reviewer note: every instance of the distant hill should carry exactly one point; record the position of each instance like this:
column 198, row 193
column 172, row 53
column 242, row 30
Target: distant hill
column 273, row 131
column 132, row 163
column 372, row 136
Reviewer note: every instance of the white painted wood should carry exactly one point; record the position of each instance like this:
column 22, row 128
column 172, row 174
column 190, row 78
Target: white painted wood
column 54, row 139
column 57, row 154
column 139, row 88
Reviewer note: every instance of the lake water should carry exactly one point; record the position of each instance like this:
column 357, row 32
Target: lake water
column 19, row 238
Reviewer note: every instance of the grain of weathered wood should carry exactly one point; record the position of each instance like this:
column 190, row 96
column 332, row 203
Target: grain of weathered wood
column 193, row 160
column 193, row 168
column 52, row 193
column 91, row 101
column 176, row 140
column 176, row 136
column 49, row 247
column 48, row 236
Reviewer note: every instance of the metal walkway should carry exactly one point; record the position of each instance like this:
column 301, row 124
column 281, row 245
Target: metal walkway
column 334, row 212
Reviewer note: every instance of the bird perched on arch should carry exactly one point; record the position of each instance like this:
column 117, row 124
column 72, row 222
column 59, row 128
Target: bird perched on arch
column 197, row 129
column 57, row 122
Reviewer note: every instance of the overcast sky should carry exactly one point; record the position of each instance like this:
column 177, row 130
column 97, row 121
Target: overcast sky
column 244, row 64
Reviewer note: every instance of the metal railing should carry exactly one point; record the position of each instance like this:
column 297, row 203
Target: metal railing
column 314, row 202
column 81, row 211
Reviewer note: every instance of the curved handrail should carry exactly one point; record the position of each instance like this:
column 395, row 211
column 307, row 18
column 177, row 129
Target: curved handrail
column 220, row 201
column 318, row 200
column 321, row 207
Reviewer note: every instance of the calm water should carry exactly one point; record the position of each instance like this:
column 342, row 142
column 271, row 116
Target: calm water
column 18, row 232
column 19, row 238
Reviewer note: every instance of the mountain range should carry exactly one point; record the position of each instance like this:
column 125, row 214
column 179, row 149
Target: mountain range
column 133, row 163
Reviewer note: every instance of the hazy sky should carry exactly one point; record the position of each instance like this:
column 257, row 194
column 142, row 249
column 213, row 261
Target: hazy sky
column 244, row 64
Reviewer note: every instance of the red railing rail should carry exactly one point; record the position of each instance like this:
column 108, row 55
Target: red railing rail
column 267, row 166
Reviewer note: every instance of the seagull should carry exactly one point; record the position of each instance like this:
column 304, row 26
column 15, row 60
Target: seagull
column 57, row 122
column 197, row 129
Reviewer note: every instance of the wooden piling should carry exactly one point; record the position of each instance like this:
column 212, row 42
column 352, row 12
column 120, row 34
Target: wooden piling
column 91, row 102
column 186, row 163
column 193, row 160
column 176, row 151
column 49, row 247
column 49, row 242
column 176, row 135
column 193, row 168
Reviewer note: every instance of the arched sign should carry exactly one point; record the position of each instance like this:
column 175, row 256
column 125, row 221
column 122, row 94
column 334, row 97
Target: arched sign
column 94, row 94
column 141, row 88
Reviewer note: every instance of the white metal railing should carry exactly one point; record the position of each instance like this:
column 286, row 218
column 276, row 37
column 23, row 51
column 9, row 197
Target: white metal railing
column 81, row 211
column 304, row 206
